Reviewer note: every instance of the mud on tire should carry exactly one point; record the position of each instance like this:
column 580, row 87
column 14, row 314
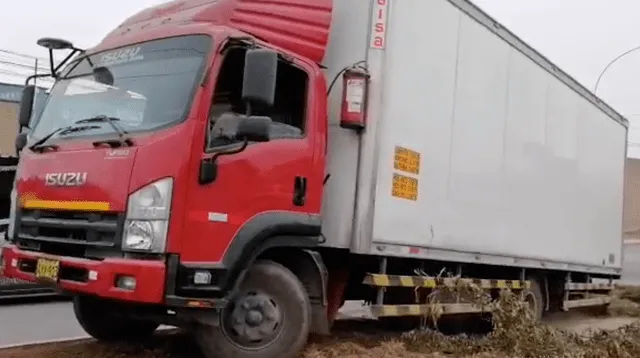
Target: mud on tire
column 95, row 317
column 270, row 317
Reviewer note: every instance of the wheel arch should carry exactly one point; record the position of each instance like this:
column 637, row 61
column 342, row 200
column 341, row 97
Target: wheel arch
column 265, row 231
column 287, row 238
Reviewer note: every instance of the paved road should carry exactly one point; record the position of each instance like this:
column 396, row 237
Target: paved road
column 40, row 321
column 21, row 324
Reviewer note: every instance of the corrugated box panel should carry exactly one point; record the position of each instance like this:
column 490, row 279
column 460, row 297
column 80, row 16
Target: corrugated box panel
column 8, row 127
column 483, row 151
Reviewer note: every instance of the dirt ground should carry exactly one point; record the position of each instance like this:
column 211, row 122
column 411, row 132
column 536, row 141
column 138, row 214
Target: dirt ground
column 570, row 335
column 582, row 325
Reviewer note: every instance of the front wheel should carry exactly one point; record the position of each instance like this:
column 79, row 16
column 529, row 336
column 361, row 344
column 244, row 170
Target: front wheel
column 269, row 318
column 97, row 319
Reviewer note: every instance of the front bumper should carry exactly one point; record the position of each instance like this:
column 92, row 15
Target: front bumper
column 94, row 277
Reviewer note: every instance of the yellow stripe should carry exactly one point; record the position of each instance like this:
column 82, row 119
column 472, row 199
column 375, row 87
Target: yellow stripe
column 390, row 311
column 66, row 205
column 430, row 283
column 380, row 280
column 407, row 281
column 414, row 310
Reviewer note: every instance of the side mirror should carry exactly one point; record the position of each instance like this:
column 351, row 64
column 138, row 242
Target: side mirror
column 21, row 141
column 103, row 75
column 55, row 44
column 259, row 80
column 254, row 129
column 26, row 105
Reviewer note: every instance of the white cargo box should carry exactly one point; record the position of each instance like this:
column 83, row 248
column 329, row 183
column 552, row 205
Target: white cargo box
column 477, row 149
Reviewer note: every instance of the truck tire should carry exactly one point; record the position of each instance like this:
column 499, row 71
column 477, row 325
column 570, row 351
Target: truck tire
column 270, row 317
column 95, row 318
column 535, row 298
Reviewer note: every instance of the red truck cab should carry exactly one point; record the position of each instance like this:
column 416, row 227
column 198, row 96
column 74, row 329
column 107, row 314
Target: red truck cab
column 172, row 164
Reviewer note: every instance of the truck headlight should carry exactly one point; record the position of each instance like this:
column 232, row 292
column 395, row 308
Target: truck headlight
column 147, row 220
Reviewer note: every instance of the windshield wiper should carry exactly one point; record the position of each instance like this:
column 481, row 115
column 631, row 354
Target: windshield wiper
column 40, row 144
column 123, row 139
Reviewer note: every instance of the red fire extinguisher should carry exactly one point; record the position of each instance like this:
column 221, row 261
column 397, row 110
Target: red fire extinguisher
column 355, row 86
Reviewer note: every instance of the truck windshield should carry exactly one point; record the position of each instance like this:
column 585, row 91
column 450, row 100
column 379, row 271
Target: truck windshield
column 149, row 85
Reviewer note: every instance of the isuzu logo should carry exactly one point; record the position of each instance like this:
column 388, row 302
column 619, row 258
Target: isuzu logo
column 65, row 179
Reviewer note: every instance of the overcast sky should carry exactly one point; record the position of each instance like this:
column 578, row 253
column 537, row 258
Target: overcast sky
column 580, row 36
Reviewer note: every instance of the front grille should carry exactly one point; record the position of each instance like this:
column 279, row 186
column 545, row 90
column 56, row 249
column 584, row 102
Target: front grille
column 69, row 233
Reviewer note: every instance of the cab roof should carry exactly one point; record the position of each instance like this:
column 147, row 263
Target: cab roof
column 299, row 26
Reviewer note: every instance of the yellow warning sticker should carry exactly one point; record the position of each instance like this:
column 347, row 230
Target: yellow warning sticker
column 404, row 187
column 406, row 160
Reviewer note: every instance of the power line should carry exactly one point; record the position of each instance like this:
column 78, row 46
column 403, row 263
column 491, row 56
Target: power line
column 21, row 65
column 22, row 75
column 20, row 71
column 24, row 55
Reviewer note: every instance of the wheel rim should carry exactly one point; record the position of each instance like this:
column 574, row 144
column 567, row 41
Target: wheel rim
column 253, row 321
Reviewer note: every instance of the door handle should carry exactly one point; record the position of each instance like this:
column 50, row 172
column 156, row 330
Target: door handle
column 299, row 191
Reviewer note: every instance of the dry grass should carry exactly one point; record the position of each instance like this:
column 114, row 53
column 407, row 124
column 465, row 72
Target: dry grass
column 631, row 293
column 514, row 335
column 626, row 302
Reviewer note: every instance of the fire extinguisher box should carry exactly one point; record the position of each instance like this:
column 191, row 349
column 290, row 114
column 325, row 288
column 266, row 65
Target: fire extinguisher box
column 355, row 84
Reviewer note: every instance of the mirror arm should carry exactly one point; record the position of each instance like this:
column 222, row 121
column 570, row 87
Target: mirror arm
column 51, row 64
column 66, row 59
column 26, row 83
column 54, row 68
column 230, row 152
column 213, row 161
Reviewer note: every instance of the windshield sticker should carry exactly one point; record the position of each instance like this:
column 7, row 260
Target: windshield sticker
column 125, row 55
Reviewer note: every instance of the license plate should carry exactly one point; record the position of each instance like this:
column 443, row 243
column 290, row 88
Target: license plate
column 47, row 269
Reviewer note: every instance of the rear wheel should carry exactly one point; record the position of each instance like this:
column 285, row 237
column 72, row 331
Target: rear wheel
column 97, row 319
column 269, row 318
column 534, row 298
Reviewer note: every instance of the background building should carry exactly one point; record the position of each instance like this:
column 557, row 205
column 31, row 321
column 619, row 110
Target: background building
column 10, row 95
column 631, row 223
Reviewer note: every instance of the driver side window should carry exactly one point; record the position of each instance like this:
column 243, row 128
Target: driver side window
column 288, row 112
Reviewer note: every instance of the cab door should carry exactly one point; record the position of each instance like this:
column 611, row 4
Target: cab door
column 267, row 187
